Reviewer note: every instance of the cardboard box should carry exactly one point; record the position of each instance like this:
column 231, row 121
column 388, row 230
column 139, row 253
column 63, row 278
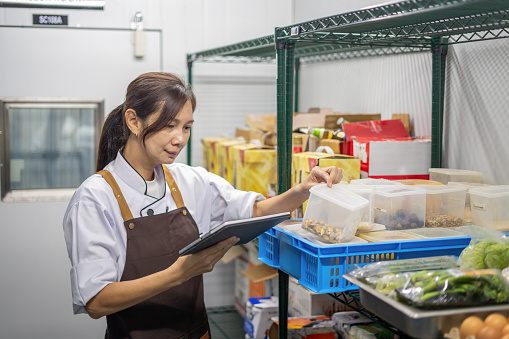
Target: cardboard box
column 253, row 279
column 249, row 136
column 241, row 284
column 303, row 302
column 303, row 163
column 225, row 158
column 209, row 150
column 296, row 329
column 263, row 123
column 409, row 159
column 263, row 279
column 405, row 119
column 236, row 151
column 386, row 150
column 256, row 170
column 332, row 119
column 383, row 129
column 259, row 314
column 335, row 145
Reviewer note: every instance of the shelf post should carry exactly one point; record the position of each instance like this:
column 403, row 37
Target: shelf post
column 190, row 82
column 285, row 74
column 296, row 87
column 439, row 53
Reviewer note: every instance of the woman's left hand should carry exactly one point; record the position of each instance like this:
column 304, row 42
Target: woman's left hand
column 329, row 175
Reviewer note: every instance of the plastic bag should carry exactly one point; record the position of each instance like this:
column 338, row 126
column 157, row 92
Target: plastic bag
column 452, row 288
column 487, row 249
column 406, row 265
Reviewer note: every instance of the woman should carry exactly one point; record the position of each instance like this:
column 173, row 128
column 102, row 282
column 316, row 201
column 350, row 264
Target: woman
column 125, row 224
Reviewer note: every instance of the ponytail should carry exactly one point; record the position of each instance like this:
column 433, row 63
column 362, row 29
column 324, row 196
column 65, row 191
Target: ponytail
column 113, row 138
column 148, row 94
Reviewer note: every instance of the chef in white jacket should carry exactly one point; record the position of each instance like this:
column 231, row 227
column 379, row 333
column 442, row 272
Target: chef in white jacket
column 125, row 224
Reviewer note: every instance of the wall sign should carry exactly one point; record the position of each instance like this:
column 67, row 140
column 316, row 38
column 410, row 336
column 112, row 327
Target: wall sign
column 49, row 20
column 70, row 4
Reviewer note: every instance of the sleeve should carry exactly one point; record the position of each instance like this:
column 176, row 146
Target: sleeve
column 93, row 250
column 228, row 203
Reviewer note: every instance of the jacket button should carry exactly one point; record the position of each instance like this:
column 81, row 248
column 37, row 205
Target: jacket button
column 131, row 226
column 184, row 212
column 150, row 211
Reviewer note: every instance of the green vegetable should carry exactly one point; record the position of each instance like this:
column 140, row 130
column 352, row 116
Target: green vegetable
column 454, row 287
column 473, row 256
column 497, row 256
column 486, row 254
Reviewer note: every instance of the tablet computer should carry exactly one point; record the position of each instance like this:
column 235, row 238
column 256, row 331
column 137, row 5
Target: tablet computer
column 245, row 229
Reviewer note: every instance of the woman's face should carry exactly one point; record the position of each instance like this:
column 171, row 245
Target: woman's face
column 164, row 146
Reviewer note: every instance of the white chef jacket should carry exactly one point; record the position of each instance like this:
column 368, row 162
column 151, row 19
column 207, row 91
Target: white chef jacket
column 94, row 228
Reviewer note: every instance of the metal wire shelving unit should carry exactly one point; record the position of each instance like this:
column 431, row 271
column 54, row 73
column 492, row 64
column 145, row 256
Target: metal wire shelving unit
column 403, row 27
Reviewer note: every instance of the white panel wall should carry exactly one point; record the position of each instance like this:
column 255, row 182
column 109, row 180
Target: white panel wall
column 384, row 84
column 476, row 109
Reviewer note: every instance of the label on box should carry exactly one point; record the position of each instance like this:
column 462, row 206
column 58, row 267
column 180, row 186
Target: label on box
column 479, row 207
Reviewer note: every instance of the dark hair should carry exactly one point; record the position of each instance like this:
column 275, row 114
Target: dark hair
column 149, row 93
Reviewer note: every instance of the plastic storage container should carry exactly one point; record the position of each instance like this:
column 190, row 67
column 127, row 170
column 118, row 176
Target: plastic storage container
column 445, row 175
column 445, row 205
column 413, row 182
column 490, row 207
column 368, row 193
column 334, row 213
column 400, row 207
column 374, row 182
column 435, row 232
column 468, row 185
column 384, row 236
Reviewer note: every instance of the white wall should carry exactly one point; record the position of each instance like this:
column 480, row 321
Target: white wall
column 86, row 63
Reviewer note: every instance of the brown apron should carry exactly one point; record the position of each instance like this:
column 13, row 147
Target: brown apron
column 153, row 243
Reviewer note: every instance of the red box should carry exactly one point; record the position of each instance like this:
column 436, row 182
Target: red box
column 386, row 150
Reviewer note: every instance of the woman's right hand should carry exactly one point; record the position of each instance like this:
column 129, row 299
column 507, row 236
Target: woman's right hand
column 204, row 261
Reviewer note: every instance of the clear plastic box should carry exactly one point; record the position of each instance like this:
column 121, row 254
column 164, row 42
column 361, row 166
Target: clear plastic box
column 436, row 232
column 400, row 207
column 445, row 175
column 334, row 213
column 388, row 236
column 413, row 182
column 374, row 182
column 368, row 193
column 468, row 186
column 445, row 205
column 490, row 206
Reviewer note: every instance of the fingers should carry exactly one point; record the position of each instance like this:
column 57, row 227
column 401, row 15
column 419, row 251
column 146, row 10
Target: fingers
column 335, row 174
column 329, row 175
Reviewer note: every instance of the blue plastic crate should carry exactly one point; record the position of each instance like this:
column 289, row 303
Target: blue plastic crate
column 321, row 269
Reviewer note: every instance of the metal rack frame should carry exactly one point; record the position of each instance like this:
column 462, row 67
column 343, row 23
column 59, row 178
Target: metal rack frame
column 402, row 27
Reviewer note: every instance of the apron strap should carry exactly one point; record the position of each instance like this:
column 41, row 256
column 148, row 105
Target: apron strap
column 175, row 192
column 124, row 209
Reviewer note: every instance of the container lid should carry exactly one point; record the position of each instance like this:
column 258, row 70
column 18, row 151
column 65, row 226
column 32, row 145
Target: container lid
column 396, row 191
column 495, row 191
column 467, row 185
column 339, row 196
column 373, row 181
column 451, row 171
column 436, row 189
column 412, row 182
column 435, row 232
column 358, row 188
column 388, row 236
